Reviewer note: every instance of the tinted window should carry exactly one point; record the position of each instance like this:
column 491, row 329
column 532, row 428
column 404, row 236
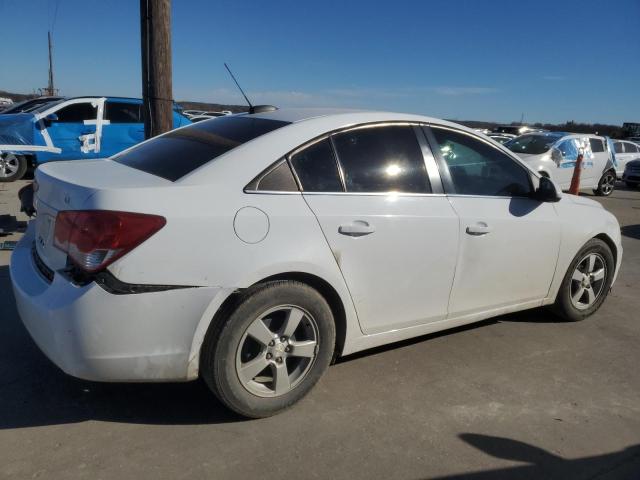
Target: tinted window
column 596, row 145
column 382, row 159
column 316, row 168
column 117, row 112
column 630, row 148
column 569, row 149
column 77, row 113
column 181, row 151
column 617, row 147
column 479, row 169
column 278, row 179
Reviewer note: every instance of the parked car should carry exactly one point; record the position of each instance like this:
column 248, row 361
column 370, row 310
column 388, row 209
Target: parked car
column 251, row 250
column 516, row 129
column 29, row 105
column 625, row 152
column 501, row 137
column 554, row 154
column 70, row 129
column 631, row 175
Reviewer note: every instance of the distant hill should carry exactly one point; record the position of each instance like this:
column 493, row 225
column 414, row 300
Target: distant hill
column 613, row 131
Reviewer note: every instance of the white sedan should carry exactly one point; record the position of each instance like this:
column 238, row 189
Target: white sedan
column 252, row 250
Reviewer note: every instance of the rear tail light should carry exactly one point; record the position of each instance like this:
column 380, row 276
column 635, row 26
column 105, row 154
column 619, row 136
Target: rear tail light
column 95, row 238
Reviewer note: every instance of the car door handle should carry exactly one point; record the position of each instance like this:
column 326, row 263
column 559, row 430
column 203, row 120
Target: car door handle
column 479, row 228
column 357, row 228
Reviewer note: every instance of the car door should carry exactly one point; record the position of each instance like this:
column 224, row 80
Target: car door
column 123, row 126
column 631, row 152
column 620, row 156
column 599, row 159
column 392, row 231
column 72, row 128
column 508, row 241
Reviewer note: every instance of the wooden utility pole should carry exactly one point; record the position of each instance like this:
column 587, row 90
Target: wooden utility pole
column 157, row 90
column 50, row 88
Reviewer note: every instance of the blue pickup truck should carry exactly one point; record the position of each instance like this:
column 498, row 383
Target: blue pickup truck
column 71, row 129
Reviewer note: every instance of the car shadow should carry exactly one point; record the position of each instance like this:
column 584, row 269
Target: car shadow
column 631, row 231
column 34, row 392
column 540, row 463
column 10, row 224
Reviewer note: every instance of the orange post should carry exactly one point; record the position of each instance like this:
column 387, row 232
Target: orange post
column 574, row 189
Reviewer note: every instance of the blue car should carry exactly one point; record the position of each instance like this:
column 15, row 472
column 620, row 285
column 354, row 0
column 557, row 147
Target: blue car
column 71, row 129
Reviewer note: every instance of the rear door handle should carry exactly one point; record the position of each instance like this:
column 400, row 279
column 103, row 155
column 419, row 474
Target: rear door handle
column 357, row 228
column 479, row 228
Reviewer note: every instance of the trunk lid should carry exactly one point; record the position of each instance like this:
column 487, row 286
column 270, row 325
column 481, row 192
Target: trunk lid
column 68, row 186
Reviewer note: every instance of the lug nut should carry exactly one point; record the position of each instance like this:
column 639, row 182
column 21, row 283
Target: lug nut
column 287, row 349
column 279, row 359
column 269, row 356
column 283, row 339
column 272, row 343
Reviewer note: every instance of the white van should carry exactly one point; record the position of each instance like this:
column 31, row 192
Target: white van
column 554, row 154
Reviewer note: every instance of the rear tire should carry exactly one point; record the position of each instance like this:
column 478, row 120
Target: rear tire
column 270, row 350
column 606, row 185
column 12, row 167
column 583, row 290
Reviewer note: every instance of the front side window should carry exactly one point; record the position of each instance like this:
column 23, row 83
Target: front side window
column 121, row 112
column 77, row 113
column 316, row 168
column 617, row 147
column 569, row 149
column 382, row 159
column 477, row 168
column 597, row 145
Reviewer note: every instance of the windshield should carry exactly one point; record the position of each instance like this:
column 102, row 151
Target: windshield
column 181, row 151
column 532, row 144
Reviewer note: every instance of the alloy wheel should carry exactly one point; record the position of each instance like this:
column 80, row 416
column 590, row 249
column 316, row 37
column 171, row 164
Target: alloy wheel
column 277, row 351
column 608, row 183
column 588, row 280
column 9, row 165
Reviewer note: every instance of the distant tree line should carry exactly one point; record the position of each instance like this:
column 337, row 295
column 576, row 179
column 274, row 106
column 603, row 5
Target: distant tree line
column 613, row 131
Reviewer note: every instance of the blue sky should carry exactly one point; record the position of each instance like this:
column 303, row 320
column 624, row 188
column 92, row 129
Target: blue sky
column 484, row 60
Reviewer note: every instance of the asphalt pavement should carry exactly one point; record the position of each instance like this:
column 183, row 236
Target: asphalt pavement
column 519, row 396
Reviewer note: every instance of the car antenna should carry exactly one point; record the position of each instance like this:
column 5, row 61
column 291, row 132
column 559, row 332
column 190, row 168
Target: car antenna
column 252, row 108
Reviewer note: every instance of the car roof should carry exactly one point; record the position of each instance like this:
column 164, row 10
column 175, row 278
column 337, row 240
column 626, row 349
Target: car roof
column 303, row 125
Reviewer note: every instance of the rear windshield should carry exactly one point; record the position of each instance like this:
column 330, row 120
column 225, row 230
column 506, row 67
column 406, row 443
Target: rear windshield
column 181, row 151
column 532, row 144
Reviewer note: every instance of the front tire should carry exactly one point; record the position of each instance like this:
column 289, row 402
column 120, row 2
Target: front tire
column 270, row 350
column 606, row 184
column 12, row 167
column 587, row 281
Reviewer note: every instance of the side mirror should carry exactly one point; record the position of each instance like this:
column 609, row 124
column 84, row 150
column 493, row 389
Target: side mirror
column 546, row 191
column 556, row 155
column 49, row 119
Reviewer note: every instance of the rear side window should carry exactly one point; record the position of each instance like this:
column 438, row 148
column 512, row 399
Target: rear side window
column 630, row 148
column 477, row 168
column 181, row 151
column 278, row 178
column 121, row 112
column 382, row 159
column 617, row 147
column 597, row 145
column 77, row 113
column 316, row 168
